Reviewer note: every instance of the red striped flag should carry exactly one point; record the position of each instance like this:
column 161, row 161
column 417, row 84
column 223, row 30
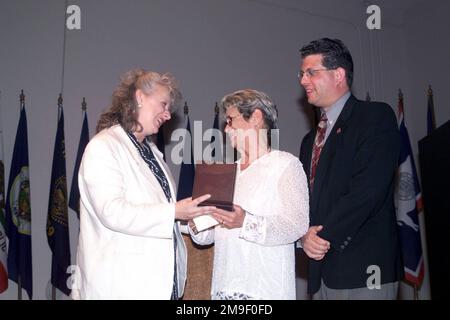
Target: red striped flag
column 409, row 203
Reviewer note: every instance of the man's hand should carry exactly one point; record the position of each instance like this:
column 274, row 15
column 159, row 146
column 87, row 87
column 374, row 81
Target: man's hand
column 313, row 245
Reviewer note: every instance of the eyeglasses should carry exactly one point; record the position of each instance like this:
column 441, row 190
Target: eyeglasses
column 310, row 72
column 229, row 120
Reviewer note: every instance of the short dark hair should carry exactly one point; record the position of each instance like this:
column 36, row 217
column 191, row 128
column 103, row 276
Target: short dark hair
column 335, row 55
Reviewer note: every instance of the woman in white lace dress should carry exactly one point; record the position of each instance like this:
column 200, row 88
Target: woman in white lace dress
column 254, row 254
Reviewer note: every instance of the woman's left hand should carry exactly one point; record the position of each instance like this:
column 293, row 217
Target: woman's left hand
column 230, row 219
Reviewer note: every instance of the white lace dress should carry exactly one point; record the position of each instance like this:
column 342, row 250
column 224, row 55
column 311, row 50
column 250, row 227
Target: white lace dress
column 257, row 261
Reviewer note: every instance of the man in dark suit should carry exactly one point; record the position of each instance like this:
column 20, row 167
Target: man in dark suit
column 350, row 160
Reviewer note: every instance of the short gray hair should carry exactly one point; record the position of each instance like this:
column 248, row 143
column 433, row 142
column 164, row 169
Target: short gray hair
column 248, row 100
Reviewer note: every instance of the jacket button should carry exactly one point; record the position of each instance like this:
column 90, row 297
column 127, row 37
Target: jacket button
column 342, row 247
column 345, row 242
column 349, row 238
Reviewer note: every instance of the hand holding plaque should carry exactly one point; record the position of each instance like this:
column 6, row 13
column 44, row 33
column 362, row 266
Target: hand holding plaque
column 218, row 180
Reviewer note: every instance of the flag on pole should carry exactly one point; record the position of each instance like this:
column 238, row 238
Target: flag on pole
column 18, row 210
column 3, row 252
column 213, row 137
column 215, row 127
column 431, row 120
column 187, row 171
column 74, row 199
column 160, row 141
column 213, row 152
column 57, row 217
column 408, row 204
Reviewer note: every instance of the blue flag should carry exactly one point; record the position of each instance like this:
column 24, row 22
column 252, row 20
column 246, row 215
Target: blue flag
column 18, row 211
column 74, row 200
column 160, row 141
column 431, row 122
column 187, row 171
column 213, row 138
column 216, row 157
column 57, row 218
column 3, row 251
column 409, row 202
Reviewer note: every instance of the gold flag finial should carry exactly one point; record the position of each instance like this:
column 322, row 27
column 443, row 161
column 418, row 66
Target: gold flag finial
column 186, row 108
column 400, row 94
column 84, row 104
column 60, row 100
column 216, row 108
column 22, row 98
column 430, row 91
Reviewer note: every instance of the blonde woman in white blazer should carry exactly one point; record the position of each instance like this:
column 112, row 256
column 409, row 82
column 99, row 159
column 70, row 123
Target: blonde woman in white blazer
column 130, row 242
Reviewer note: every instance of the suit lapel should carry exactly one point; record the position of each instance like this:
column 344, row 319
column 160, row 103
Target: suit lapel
column 306, row 158
column 329, row 151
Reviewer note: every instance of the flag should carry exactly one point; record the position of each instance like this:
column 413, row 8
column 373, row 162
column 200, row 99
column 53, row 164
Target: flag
column 187, row 171
column 431, row 120
column 409, row 202
column 160, row 141
column 57, row 218
column 213, row 138
column 213, row 153
column 3, row 252
column 74, row 202
column 18, row 211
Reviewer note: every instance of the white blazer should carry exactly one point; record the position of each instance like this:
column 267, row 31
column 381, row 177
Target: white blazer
column 125, row 247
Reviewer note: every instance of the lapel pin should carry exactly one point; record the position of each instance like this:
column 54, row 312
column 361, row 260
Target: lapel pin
column 338, row 131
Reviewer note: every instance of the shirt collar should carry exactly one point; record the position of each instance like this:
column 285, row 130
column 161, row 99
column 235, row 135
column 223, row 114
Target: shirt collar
column 335, row 110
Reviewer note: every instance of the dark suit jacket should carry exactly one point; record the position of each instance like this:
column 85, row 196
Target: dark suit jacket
column 353, row 197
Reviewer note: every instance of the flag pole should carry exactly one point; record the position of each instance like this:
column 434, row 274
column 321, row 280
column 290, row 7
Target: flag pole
column 60, row 102
column 19, row 288
column 19, row 280
column 22, row 99
column 402, row 110
column 430, row 99
column 84, row 105
column 186, row 108
column 64, row 49
column 216, row 108
column 213, row 139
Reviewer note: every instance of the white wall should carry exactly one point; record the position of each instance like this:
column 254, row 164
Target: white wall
column 213, row 48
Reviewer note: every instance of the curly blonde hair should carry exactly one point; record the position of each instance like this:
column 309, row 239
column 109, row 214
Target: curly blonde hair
column 124, row 105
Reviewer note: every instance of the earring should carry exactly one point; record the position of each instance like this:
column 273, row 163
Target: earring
column 139, row 105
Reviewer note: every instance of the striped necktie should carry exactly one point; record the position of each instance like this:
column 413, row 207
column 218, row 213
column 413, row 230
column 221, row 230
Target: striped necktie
column 319, row 141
